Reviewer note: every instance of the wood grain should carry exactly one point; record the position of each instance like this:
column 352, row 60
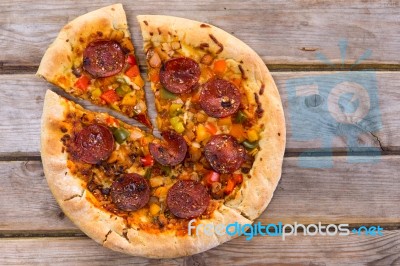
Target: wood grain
column 20, row 115
column 280, row 33
column 354, row 193
column 299, row 250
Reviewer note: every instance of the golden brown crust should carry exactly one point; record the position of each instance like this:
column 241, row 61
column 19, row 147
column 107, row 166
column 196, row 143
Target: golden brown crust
column 105, row 228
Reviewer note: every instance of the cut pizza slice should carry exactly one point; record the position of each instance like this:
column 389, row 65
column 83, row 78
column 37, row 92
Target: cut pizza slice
column 217, row 93
column 93, row 58
column 104, row 177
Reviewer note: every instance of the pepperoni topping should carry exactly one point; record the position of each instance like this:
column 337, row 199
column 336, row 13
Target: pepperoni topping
column 130, row 192
column 180, row 75
column 188, row 199
column 103, row 58
column 224, row 153
column 172, row 152
column 219, row 98
column 93, row 144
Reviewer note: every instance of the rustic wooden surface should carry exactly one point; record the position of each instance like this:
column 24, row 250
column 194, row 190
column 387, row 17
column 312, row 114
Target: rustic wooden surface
column 290, row 37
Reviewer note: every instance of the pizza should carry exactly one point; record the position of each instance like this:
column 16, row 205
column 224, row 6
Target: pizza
column 217, row 162
column 93, row 58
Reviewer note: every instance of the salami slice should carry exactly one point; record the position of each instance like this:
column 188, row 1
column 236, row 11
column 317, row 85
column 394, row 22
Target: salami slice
column 180, row 75
column 219, row 98
column 224, row 153
column 188, row 199
column 93, row 144
column 172, row 152
column 130, row 192
column 103, row 59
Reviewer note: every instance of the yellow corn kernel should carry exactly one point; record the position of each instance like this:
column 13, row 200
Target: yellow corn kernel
column 138, row 81
column 252, row 135
column 129, row 99
column 200, row 117
column 227, row 121
column 161, row 193
column 201, row 133
column 156, row 181
column 154, row 209
column 175, row 109
column 168, row 181
column 96, row 93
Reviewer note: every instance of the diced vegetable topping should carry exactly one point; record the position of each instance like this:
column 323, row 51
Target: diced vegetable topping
column 226, row 121
column 138, row 81
column 83, row 82
column 154, row 209
column 131, row 60
column 147, row 160
column 252, row 135
column 238, row 178
column 232, row 182
column 129, row 99
column 155, row 77
column 167, row 95
column 177, row 124
column 211, row 128
column 133, row 71
column 120, row 134
column 96, row 93
column 230, row 185
column 122, row 90
column 220, row 67
column 175, row 109
column 201, row 133
column 211, row 177
column 237, row 131
column 110, row 96
column 148, row 172
column 250, row 145
column 240, row 117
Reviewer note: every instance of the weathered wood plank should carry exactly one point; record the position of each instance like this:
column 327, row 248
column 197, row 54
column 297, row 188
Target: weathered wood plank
column 22, row 101
column 281, row 33
column 299, row 250
column 347, row 193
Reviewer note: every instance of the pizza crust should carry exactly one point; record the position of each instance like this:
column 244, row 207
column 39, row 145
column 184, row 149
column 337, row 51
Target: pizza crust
column 61, row 54
column 105, row 228
column 110, row 230
column 255, row 193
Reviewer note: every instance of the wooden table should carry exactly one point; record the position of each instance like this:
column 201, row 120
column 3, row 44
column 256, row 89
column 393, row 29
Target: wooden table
column 290, row 38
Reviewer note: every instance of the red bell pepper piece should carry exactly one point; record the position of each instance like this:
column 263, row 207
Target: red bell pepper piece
column 83, row 82
column 147, row 160
column 110, row 96
column 133, row 71
column 230, row 185
column 131, row 60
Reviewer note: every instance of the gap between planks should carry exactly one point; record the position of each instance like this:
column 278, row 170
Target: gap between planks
column 31, row 69
column 79, row 233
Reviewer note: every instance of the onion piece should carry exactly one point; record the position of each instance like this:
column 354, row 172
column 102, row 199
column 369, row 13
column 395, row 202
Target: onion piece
column 206, row 59
column 153, row 58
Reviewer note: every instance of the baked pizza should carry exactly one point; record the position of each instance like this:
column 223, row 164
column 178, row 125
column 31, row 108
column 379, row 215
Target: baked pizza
column 93, row 58
column 218, row 94
column 218, row 160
